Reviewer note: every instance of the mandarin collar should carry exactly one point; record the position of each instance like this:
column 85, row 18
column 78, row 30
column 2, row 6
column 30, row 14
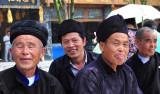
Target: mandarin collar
column 106, row 68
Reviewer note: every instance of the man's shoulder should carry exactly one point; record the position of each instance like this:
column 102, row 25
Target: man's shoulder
column 45, row 75
column 127, row 68
column 8, row 76
column 131, row 59
column 157, row 53
column 92, row 54
column 7, row 72
column 91, row 68
column 48, row 78
column 60, row 61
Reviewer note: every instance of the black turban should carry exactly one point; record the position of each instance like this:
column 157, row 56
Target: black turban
column 29, row 27
column 109, row 26
column 69, row 26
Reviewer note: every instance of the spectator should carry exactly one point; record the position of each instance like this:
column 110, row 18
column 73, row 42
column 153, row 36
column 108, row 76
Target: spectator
column 153, row 25
column 108, row 74
column 145, row 63
column 72, row 36
column 6, row 40
column 28, row 39
column 131, row 26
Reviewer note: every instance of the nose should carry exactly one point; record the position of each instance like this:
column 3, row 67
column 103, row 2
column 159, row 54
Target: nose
column 25, row 51
column 121, row 48
column 153, row 44
column 70, row 44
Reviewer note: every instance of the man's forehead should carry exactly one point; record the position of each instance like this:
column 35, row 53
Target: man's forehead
column 26, row 38
column 149, row 34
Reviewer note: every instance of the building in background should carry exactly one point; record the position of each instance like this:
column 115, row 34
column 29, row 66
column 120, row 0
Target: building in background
column 90, row 12
column 17, row 10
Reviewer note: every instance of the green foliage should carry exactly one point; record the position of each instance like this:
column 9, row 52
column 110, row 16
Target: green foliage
column 58, row 12
column 72, row 9
column 60, row 4
column 143, row 2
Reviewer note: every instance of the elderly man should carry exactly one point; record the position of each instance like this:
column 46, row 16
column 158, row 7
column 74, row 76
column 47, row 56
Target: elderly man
column 108, row 74
column 28, row 40
column 72, row 36
column 146, row 62
column 153, row 25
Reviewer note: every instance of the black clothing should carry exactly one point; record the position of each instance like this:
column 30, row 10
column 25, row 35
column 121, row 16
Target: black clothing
column 99, row 78
column 61, row 69
column 11, row 83
column 148, row 74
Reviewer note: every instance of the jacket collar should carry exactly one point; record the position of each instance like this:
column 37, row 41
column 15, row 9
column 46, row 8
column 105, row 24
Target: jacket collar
column 22, row 79
column 67, row 60
column 106, row 69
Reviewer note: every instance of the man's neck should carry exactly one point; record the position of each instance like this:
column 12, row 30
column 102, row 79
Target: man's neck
column 79, row 61
column 28, row 73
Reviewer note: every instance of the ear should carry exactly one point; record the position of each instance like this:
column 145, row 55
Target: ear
column 10, row 50
column 101, row 46
column 136, row 42
column 84, row 41
column 43, row 52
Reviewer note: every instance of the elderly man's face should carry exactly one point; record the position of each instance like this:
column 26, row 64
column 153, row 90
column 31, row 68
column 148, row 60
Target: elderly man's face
column 73, row 44
column 148, row 44
column 27, row 52
column 115, row 49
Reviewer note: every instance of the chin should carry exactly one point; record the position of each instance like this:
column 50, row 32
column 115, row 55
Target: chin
column 120, row 62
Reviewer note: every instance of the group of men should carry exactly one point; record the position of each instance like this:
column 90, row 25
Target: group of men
column 80, row 71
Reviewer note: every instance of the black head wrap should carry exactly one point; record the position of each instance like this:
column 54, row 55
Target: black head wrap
column 29, row 27
column 109, row 26
column 69, row 26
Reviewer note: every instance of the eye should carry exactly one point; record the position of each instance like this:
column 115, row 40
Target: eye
column 155, row 41
column 31, row 46
column 65, row 42
column 75, row 40
column 116, row 43
column 19, row 46
column 148, row 41
column 126, row 44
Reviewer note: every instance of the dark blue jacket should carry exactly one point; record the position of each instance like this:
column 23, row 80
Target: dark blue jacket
column 99, row 78
column 148, row 74
column 11, row 83
column 61, row 69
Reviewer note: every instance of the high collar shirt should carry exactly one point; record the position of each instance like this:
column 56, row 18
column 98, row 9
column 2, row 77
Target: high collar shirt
column 74, row 69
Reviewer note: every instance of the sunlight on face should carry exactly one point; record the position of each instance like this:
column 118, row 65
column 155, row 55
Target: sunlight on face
column 73, row 44
column 27, row 52
column 115, row 49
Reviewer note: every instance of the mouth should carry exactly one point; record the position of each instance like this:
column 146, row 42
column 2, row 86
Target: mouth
column 120, row 56
column 152, row 50
column 72, row 51
column 25, row 59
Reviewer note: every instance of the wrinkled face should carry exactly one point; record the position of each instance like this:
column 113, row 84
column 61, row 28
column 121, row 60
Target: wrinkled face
column 27, row 52
column 115, row 49
column 148, row 44
column 73, row 44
